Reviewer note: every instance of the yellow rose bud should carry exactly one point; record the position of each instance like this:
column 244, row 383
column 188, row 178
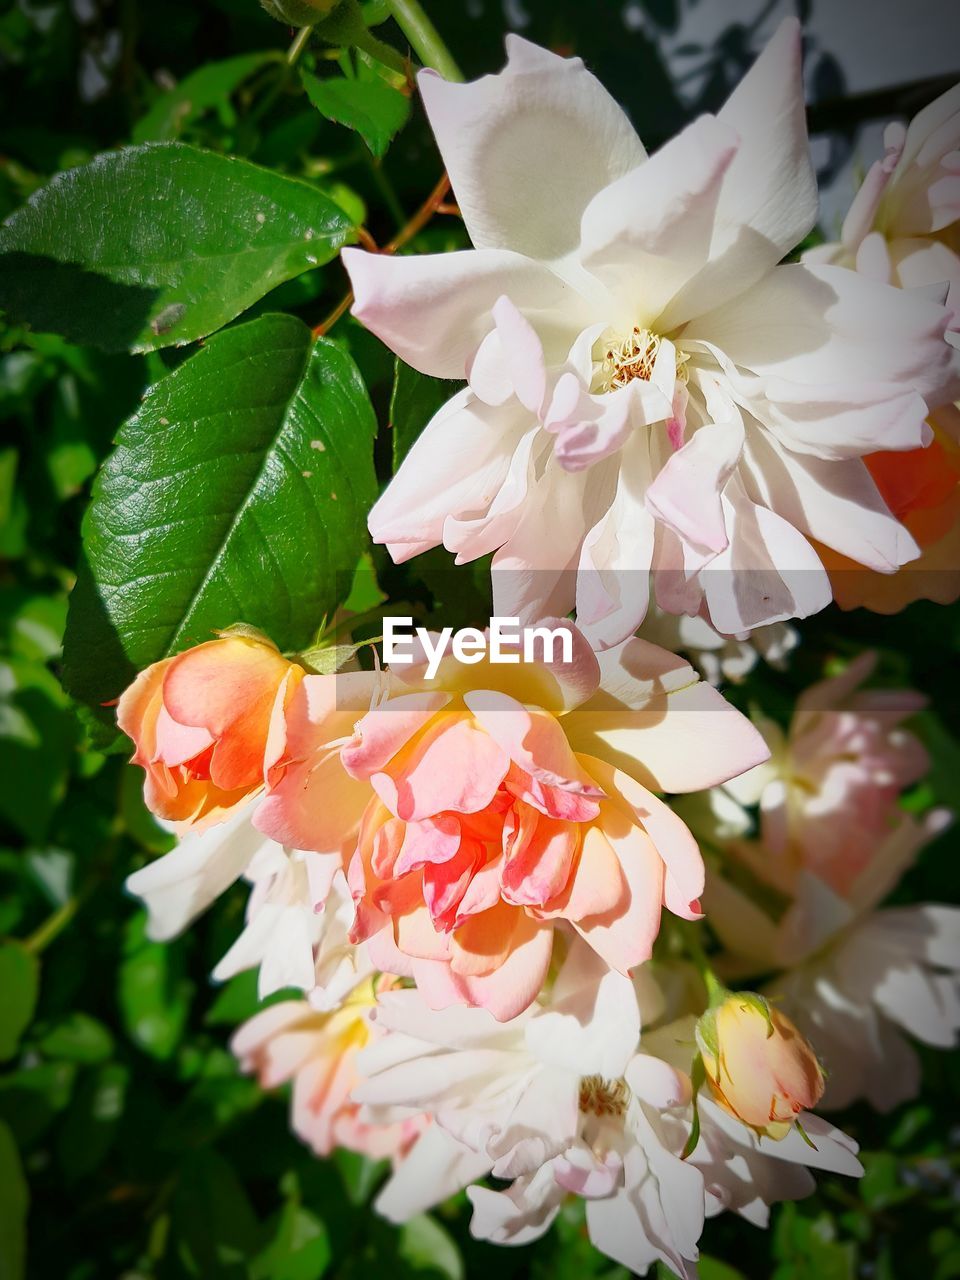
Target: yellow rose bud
column 760, row 1068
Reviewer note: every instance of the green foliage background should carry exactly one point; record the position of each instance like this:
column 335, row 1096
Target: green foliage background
column 129, row 1144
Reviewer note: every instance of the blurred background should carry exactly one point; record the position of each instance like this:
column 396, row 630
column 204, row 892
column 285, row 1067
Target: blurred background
column 129, row 1144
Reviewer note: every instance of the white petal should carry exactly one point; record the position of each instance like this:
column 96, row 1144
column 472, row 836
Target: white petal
column 434, row 309
column 279, row 939
column 768, row 573
column 437, row 1167
column 519, row 1215
column 669, row 730
column 591, row 1026
column 617, row 1230
column 830, row 326
column 645, row 235
column 837, row 503
column 532, row 573
column 769, row 198
column 527, row 149
column 613, row 577
column 686, row 493
column 542, row 1124
column 177, row 887
column 833, row 1150
column 455, row 469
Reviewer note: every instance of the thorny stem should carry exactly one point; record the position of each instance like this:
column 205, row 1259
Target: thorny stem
column 406, row 233
column 424, row 38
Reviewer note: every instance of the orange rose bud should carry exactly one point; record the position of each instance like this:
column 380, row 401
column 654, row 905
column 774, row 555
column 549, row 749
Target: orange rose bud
column 760, row 1068
column 201, row 722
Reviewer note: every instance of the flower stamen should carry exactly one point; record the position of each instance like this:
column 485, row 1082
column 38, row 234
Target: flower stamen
column 620, row 360
column 601, row 1097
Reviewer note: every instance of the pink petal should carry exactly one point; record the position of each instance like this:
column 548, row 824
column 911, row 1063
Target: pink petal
column 684, row 879
column 454, row 765
column 539, row 856
column 383, row 732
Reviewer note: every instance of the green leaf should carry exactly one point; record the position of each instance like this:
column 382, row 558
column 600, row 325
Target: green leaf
column 360, row 1174
column 214, row 1225
column 19, row 984
column 425, row 1246
column 365, row 594
column 158, row 245
column 91, row 1122
column 37, row 732
column 373, row 108
column 238, row 492
column 30, row 1099
column 237, row 1000
column 154, row 993
column 299, row 1249
column 14, row 1199
column 78, row 1038
column 203, row 90
column 8, row 476
column 414, row 401
column 715, row 1269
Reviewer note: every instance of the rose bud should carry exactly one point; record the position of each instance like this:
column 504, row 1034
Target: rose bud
column 201, row 722
column 760, row 1068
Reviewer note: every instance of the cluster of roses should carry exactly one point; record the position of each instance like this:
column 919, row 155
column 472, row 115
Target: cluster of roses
column 473, row 879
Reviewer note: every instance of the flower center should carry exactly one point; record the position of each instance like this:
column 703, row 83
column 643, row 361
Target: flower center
column 619, row 359
column 601, row 1097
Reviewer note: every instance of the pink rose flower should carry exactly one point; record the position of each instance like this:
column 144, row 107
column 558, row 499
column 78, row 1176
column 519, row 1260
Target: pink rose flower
column 491, row 806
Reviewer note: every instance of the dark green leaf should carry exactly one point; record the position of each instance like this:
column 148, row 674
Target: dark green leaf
column 154, row 993
column 19, row 983
column 373, row 108
column 236, row 1001
column 214, row 1226
column 14, row 1199
column 158, row 245
column 360, row 1174
column 425, row 1246
column 715, row 1269
column 78, row 1038
column 91, row 1122
column 36, row 739
column 238, row 493
column 207, row 88
column 299, row 1249
column 414, row 401
column 30, row 1099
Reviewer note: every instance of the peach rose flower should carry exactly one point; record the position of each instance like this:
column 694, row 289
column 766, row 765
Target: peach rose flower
column 205, row 725
column 494, row 804
column 759, row 1067
column 317, row 1051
